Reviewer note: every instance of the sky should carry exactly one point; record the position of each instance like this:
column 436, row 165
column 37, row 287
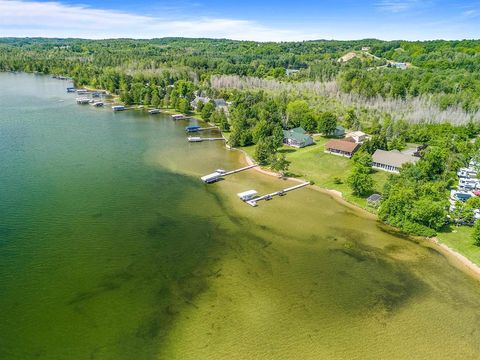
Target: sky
column 267, row 20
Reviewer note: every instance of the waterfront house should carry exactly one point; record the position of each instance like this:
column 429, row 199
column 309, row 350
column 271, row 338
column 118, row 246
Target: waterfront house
column 391, row 161
column 199, row 99
column 341, row 148
column 356, row 136
column 297, row 137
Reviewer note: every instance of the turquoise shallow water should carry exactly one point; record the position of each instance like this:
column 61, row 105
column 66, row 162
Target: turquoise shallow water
column 111, row 248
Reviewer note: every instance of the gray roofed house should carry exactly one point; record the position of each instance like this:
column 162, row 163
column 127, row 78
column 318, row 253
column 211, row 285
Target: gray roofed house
column 219, row 103
column 339, row 132
column 199, row 99
column 391, row 161
column 297, row 137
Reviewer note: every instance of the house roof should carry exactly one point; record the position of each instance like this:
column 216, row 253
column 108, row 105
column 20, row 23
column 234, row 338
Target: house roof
column 299, row 130
column 342, row 145
column 374, row 197
column 393, row 158
column 356, row 133
column 296, row 134
column 220, row 102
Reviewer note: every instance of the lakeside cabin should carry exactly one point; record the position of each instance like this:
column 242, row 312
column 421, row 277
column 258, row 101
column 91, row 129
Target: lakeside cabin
column 179, row 117
column 118, row 107
column 341, row 148
column 192, row 128
column 391, row 161
column 247, row 195
column 297, row 137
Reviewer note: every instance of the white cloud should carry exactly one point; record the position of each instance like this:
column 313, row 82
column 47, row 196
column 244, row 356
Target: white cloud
column 470, row 13
column 396, row 6
column 54, row 19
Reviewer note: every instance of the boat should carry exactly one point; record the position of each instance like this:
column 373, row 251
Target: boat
column 82, row 91
column 82, row 100
column 71, row 89
column 211, row 178
column 98, row 103
column 154, row 111
column 194, row 139
column 247, row 195
column 192, row 128
column 118, row 107
column 179, row 117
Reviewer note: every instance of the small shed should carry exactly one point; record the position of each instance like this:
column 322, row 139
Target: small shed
column 339, row 132
column 374, row 200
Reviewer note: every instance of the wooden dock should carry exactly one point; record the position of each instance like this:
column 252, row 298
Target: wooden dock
column 200, row 139
column 208, row 128
column 238, row 170
column 270, row 196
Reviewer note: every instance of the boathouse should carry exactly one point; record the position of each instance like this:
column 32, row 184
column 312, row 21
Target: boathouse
column 178, row 117
column 192, row 128
column 341, row 148
column 247, row 195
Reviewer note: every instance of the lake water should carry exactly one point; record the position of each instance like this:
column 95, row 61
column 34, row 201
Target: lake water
column 112, row 248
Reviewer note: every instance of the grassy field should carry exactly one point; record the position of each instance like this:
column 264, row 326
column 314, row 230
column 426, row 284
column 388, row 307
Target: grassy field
column 312, row 163
column 460, row 240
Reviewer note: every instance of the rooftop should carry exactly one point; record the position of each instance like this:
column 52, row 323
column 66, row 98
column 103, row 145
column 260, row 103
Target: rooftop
column 342, row 145
column 393, row 158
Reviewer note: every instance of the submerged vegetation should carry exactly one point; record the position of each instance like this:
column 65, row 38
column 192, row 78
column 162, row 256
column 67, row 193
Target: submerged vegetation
column 399, row 92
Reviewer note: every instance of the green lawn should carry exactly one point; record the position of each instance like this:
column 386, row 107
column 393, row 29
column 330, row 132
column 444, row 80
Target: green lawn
column 312, row 163
column 460, row 239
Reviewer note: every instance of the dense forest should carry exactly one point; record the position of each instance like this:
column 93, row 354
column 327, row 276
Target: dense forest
column 399, row 92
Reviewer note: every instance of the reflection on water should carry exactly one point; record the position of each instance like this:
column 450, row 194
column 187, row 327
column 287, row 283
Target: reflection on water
column 111, row 248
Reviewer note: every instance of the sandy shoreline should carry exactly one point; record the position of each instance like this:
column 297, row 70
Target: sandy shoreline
column 453, row 257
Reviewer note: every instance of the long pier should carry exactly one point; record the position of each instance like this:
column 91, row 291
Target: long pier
column 238, row 170
column 208, row 128
column 200, row 139
column 283, row 192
